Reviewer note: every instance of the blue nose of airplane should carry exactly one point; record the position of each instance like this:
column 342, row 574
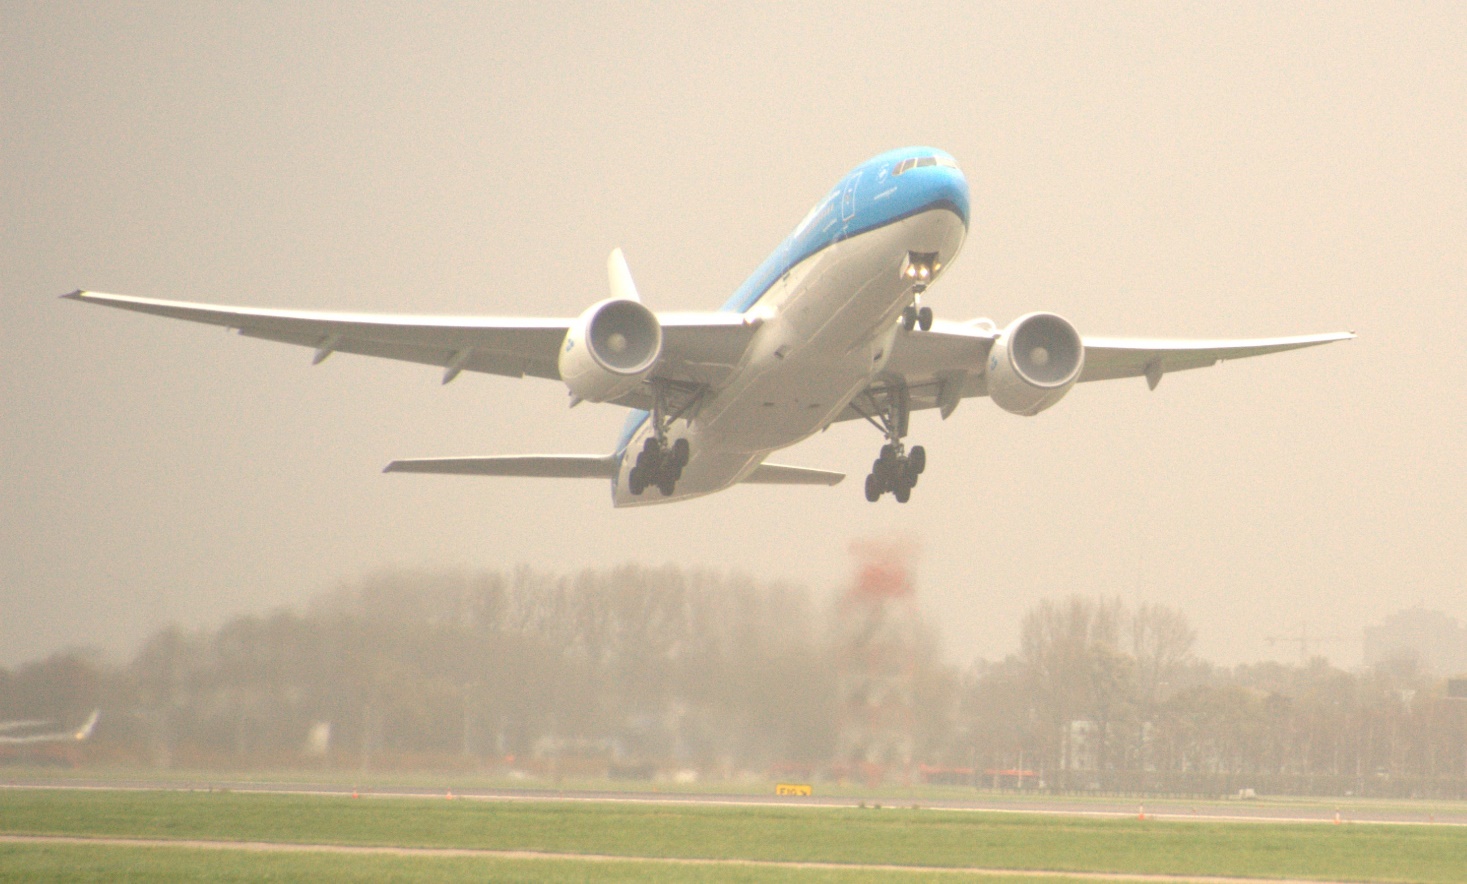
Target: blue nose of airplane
column 920, row 178
column 948, row 187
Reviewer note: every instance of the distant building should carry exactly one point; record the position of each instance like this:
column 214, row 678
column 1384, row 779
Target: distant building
column 1435, row 642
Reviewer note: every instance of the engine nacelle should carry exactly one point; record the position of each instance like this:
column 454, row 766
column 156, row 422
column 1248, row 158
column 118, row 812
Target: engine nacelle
column 609, row 349
column 1034, row 363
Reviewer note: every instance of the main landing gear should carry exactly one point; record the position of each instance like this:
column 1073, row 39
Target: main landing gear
column 660, row 465
column 896, row 470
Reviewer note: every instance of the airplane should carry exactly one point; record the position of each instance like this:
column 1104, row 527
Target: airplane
column 8, row 738
column 831, row 327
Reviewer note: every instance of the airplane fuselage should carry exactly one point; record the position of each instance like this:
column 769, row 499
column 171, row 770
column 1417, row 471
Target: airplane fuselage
column 827, row 305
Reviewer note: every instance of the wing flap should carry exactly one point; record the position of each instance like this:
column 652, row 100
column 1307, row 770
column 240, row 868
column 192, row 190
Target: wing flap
column 778, row 474
column 545, row 466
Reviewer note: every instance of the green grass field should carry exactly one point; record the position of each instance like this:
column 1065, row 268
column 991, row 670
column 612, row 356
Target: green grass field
column 905, row 837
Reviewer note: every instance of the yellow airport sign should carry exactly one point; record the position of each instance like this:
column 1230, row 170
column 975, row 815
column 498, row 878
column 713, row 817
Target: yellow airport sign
column 793, row 789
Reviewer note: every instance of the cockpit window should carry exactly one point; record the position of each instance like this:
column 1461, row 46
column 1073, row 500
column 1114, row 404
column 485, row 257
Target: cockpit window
column 920, row 162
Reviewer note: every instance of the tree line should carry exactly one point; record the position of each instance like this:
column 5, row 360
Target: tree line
column 640, row 671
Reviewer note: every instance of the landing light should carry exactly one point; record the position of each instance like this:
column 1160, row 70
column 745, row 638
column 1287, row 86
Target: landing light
column 920, row 267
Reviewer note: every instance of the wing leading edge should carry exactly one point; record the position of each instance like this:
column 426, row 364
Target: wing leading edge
column 698, row 348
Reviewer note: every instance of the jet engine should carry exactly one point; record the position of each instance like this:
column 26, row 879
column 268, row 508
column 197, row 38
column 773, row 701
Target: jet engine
column 609, row 349
column 1034, row 363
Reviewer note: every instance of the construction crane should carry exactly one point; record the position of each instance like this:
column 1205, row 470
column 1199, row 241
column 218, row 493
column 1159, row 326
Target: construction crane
column 1304, row 640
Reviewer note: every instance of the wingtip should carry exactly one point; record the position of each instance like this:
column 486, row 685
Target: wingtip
column 74, row 296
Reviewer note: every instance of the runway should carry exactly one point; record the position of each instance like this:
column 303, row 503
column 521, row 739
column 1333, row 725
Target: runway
column 1263, row 810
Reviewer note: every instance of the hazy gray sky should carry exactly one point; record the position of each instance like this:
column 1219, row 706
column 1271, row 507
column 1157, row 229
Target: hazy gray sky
column 1191, row 170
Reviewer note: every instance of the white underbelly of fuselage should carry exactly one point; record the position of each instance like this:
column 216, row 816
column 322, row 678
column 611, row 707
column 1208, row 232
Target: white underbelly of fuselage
column 827, row 329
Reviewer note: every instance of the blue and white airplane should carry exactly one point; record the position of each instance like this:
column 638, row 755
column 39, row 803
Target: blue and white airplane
column 31, row 732
column 831, row 327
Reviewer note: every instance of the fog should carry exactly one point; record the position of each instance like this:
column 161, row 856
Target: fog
column 1150, row 170
column 677, row 676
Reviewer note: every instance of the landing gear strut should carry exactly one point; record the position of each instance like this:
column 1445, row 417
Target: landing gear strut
column 660, row 465
column 919, row 268
column 896, row 469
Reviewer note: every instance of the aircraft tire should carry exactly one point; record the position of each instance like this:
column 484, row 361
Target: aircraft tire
column 917, row 458
column 903, row 492
column 873, row 487
column 924, row 319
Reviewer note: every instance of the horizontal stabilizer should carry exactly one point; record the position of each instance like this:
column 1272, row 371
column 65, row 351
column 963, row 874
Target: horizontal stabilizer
column 553, row 466
column 775, row 474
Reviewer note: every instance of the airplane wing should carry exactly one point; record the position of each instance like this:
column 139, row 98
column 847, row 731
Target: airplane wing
column 553, row 466
column 941, row 367
column 1109, row 358
column 698, row 348
column 587, row 466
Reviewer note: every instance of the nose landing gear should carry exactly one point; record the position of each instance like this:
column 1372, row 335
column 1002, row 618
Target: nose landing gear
column 914, row 316
column 919, row 268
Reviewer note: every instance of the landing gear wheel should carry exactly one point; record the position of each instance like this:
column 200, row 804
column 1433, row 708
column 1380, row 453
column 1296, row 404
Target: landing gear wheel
column 902, row 492
column 924, row 319
column 917, row 458
column 909, row 318
column 659, row 466
column 873, row 488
